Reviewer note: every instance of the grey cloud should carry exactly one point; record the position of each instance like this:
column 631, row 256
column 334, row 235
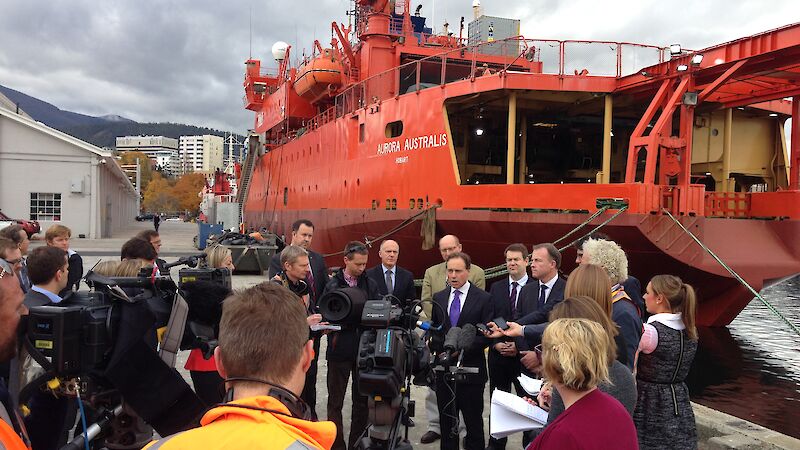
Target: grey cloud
column 183, row 60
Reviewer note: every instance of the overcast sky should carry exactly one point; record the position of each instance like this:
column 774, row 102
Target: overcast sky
column 183, row 60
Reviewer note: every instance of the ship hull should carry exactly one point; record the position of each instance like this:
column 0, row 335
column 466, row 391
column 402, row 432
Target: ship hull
column 654, row 245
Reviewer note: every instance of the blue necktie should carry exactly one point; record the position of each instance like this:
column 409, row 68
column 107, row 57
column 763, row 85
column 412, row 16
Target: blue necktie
column 455, row 308
column 542, row 289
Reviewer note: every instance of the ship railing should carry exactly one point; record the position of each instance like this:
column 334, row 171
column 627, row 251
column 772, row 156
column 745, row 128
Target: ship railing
column 327, row 116
column 517, row 54
column 727, row 204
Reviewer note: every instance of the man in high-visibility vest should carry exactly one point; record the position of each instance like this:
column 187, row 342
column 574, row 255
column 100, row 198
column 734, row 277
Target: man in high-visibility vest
column 11, row 309
column 264, row 352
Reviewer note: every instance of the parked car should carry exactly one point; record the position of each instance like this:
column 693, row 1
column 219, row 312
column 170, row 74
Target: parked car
column 30, row 226
column 144, row 217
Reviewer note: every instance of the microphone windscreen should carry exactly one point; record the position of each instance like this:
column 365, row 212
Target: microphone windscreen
column 467, row 336
column 451, row 339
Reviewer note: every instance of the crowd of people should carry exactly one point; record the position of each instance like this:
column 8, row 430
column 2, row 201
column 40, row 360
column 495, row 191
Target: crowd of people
column 613, row 356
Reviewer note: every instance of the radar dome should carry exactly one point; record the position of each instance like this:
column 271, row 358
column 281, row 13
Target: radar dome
column 279, row 50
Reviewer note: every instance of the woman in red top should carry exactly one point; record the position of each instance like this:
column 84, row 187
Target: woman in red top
column 575, row 360
column 205, row 378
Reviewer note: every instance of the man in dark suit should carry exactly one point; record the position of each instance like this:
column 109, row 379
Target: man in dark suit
column 154, row 238
column 548, row 291
column 504, row 367
column 343, row 348
column 51, row 417
column 48, row 270
column 391, row 278
column 316, row 278
column 462, row 303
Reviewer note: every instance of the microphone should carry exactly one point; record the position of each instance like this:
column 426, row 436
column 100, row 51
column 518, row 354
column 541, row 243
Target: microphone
column 465, row 339
column 427, row 325
column 451, row 339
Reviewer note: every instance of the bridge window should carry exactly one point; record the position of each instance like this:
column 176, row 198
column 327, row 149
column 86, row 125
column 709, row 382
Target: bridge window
column 394, row 129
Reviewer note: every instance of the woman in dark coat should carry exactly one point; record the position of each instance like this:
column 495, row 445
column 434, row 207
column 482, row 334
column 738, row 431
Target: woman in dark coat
column 663, row 416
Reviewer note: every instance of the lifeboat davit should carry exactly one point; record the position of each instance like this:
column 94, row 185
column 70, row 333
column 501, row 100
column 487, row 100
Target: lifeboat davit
column 320, row 76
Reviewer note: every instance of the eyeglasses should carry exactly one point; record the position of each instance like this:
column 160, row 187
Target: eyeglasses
column 6, row 268
column 14, row 262
column 356, row 249
column 538, row 351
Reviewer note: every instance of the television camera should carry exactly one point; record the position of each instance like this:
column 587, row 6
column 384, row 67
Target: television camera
column 102, row 345
column 389, row 354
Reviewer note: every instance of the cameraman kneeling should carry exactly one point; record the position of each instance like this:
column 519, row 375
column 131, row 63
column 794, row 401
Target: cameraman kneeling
column 263, row 354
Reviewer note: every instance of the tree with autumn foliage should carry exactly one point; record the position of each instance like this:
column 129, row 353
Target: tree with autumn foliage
column 182, row 195
column 187, row 191
column 145, row 166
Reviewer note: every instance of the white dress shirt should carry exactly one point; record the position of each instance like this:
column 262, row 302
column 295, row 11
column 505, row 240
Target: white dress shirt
column 462, row 299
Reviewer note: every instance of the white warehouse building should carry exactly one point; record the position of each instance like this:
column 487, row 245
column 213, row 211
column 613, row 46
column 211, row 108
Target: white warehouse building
column 52, row 177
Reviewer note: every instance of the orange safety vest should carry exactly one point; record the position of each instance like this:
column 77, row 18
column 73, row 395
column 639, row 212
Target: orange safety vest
column 9, row 439
column 231, row 427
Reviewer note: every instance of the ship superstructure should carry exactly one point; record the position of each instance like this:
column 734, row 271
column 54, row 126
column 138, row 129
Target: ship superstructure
column 499, row 139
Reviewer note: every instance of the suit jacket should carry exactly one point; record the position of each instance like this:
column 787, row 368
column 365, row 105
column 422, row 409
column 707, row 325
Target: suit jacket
column 477, row 309
column 33, row 298
column 530, row 312
column 403, row 282
column 74, row 275
column 318, row 269
column 501, row 306
column 435, row 280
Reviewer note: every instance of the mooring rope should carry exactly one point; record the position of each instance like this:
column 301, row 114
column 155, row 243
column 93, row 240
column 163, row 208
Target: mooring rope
column 369, row 241
column 735, row 275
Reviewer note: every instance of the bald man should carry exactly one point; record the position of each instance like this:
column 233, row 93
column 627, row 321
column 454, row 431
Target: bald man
column 391, row 278
column 435, row 280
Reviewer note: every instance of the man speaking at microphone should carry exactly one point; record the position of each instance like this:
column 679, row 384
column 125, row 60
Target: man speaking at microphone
column 463, row 304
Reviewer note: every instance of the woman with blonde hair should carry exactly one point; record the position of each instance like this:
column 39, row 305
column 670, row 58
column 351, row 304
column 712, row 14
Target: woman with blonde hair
column 575, row 358
column 592, row 281
column 663, row 416
column 621, row 384
column 206, row 380
column 131, row 267
column 106, row 268
column 219, row 256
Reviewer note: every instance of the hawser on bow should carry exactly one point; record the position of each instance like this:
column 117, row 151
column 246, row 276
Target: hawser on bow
column 503, row 139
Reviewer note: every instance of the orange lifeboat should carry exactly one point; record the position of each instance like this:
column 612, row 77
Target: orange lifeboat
column 320, row 76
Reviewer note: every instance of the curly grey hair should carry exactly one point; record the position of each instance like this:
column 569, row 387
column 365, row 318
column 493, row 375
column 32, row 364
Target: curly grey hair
column 608, row 255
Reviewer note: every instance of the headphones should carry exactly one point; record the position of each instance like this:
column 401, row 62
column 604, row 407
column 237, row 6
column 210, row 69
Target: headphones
column 296, row 406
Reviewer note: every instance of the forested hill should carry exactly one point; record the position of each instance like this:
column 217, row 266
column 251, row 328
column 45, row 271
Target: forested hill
column 101, row 131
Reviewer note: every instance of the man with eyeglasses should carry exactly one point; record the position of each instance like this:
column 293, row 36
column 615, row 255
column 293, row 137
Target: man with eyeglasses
column 11, row 310
column 316, row 278
column 20, row 237
column 343, row 348
column 10, row 251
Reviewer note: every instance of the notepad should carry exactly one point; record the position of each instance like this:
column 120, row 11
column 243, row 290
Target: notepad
column 511, row 414
column 531, row 385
